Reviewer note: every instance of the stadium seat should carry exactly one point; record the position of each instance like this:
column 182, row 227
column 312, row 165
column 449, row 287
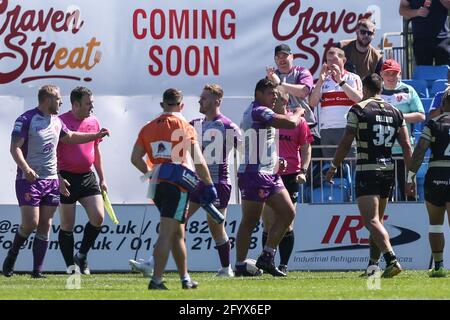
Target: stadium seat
column 426, row 104
column 332, row 193
column 438, row 85
column 421, row 86
column 430, row 73
column 337, row 193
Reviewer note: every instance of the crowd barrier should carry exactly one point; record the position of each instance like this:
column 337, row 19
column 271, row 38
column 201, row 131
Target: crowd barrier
column 327, row 237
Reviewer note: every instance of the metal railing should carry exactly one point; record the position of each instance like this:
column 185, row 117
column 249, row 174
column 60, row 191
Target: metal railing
column 317, row 190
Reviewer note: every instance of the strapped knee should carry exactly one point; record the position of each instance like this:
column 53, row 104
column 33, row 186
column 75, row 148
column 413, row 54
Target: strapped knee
column 436, row 228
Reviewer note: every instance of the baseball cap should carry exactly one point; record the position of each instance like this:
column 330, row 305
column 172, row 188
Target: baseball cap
column 391, row 65
column 282, row 48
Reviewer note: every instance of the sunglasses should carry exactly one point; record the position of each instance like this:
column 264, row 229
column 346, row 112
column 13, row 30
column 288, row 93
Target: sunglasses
column 366, row 32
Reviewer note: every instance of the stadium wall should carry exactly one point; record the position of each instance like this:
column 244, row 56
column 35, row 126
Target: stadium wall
column 140, row 48
column 327, row 237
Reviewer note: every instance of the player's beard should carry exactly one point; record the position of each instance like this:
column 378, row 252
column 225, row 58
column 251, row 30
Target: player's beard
column 54, row 109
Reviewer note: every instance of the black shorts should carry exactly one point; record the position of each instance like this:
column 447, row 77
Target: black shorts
column 291, row 186
column 437, row 186
column 171, row 201
column 81, row 185
column 374, row 183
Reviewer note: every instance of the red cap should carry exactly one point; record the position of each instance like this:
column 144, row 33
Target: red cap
column 391, row 65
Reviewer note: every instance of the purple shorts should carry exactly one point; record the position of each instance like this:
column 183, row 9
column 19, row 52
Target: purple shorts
column 42, row 192
column 259, row 187
column 223, row 192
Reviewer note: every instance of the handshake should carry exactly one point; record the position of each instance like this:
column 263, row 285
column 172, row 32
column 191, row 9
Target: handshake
column 209, row 196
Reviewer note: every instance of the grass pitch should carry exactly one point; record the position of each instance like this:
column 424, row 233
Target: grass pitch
column 298, row 285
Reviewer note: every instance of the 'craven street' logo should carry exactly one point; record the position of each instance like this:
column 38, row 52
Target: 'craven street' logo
column 20, row 53
column 348, row 228
column 307, row 27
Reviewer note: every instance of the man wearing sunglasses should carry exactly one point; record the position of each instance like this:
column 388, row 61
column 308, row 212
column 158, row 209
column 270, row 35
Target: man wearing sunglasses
column 362, row 57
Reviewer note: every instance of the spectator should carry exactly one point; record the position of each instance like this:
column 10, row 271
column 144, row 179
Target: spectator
column 430, row 30
column 362, row 57
column 297, row 82
column 406, row 99
column 336, row 90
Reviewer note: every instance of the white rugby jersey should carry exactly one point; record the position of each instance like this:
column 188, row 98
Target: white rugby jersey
column 334, row 103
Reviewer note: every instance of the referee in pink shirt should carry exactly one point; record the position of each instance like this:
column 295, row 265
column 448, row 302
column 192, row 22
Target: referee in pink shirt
column 78, row 181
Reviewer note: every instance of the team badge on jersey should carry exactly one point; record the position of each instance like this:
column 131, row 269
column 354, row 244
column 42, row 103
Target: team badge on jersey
column 18, row 126
column 268, row 114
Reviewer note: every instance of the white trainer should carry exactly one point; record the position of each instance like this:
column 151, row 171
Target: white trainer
column 225, row 272
column 145, row 267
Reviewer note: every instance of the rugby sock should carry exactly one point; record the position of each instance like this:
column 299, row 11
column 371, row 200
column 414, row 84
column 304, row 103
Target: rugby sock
column 224, row 250
column 186, row 277
column 373, row 262
column 389, row 257
column 66, row 244
column 286, row 246
column 438, row 258
column 40, row 246
column 264, row 239
column 18, row 241
column 270, row 250
column 90, row 234
column 157, row 280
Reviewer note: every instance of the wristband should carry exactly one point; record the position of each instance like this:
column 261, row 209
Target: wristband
column 411, row 177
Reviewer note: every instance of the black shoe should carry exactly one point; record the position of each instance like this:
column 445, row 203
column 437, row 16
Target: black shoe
column 189, row 284
column 154, row 286
column 37, row 275
column 82, row 264
column 8, row 266
column 266, row 263
column 283, row 268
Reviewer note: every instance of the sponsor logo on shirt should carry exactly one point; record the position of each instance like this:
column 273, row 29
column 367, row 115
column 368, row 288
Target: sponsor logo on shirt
column 161, row 149
column 18, row 126
column 48, row 147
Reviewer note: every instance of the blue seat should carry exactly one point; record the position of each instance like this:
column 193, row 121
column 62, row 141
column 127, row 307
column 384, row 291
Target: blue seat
column 421, row 86
column 332, row 193
column 426, row 104
column 430, row 73
column 336, row 193
column 438, row 85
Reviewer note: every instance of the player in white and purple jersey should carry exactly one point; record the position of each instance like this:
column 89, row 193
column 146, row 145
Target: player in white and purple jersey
column 257, row 178
column 295, row 149
column 219, row 135
column 33, row 147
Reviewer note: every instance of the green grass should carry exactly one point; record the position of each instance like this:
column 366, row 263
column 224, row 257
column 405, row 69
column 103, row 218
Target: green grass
column 298, row 285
